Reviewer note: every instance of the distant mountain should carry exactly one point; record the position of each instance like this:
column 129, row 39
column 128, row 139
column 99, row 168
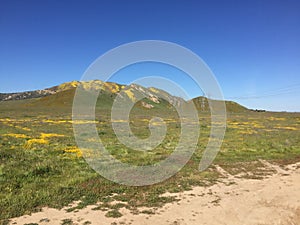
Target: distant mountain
column 201, row 104
column 96, row 84
column 26, row 94
column 63, row 94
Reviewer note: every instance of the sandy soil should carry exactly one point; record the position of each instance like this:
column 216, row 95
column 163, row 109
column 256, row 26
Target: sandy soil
column 273, row 200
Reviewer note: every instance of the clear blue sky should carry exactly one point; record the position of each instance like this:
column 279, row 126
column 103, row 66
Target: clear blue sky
column 253, row 47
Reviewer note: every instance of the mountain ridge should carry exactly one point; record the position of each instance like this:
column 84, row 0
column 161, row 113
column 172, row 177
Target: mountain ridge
column 63, row 94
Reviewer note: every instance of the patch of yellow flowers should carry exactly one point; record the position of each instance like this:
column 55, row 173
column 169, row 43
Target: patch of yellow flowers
column 42, row 140
column 16, row 135
column 130, row 94
column 75, row 150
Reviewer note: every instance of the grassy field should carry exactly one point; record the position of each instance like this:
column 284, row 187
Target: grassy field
column 40, row 164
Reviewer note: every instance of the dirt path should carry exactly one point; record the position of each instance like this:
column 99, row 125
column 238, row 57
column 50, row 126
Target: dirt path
column 273, row 200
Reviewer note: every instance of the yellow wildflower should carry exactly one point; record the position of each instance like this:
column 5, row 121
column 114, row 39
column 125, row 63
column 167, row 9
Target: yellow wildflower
column 75, row 150
column 287, row 128
column 130, row 94
column 16, row 135
column 49, row 135
column 30, row 142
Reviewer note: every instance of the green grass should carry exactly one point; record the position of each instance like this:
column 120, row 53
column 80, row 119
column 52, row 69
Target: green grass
column 67, row 222
column 113, row 213
column 38, row 175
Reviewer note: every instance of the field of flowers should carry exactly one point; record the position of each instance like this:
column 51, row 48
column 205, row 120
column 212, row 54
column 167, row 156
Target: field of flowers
column 41, row 165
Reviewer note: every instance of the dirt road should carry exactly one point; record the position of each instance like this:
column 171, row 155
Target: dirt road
column 274, row 200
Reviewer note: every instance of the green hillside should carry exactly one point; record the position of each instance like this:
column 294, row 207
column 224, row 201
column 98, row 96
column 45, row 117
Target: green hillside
column 202, row 105
column 61, row 96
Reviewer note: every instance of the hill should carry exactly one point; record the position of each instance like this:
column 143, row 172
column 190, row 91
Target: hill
column 62, row 96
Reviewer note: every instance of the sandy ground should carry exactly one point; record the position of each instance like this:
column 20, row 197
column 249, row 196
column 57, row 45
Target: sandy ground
column 273, row 200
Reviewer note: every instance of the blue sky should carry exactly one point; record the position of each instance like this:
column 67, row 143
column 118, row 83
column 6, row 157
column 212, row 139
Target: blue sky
column 251, row 46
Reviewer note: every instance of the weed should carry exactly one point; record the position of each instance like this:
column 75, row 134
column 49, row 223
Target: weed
column 67, row 222
column 113, row 213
